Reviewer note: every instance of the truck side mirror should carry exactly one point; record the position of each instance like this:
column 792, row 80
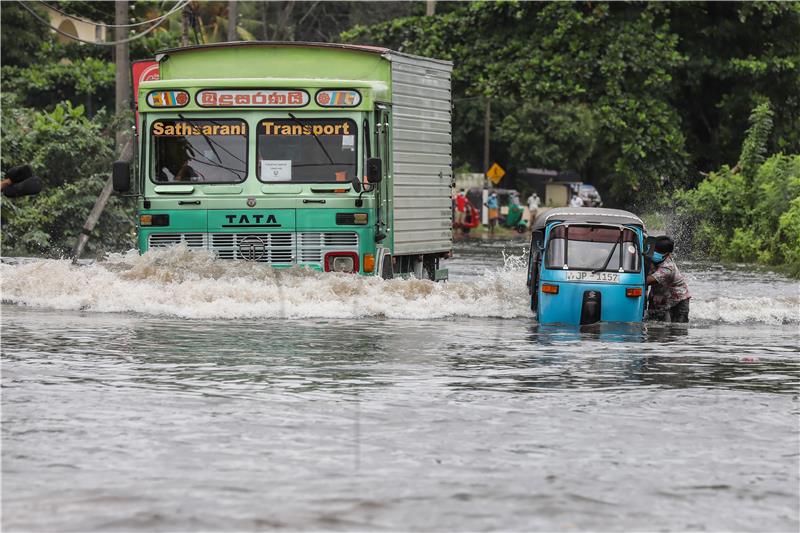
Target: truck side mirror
column 649, row 246
column 537, row 239
column 374, row 170
column 121, row 176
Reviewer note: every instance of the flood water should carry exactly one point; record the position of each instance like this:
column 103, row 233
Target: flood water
column 177, row 392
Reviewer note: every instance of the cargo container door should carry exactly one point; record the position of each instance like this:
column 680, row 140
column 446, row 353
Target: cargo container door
column 383, row 128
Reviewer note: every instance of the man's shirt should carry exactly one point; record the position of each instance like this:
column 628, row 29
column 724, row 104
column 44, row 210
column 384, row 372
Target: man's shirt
column 670, row 287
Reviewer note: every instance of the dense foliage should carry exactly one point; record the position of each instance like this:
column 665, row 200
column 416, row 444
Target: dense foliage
column 58, row 99
column 641, row 99
column 750, row 212
column 72, row 155
column 634, row 96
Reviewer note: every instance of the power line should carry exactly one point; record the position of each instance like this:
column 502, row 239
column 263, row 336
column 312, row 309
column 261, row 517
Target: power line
column 88, row 4
column 88, row 21
column 112, row 43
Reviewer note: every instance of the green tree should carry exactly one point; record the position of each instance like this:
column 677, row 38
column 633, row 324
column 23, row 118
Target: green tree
column 21, row 35
column 42, row 85
column 590, row 82
column 751, row 212
column 739, row 54
column 72, row 154
column 548, row 134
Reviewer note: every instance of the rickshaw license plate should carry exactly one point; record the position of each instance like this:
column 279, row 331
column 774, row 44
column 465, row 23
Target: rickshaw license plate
column 604, row 277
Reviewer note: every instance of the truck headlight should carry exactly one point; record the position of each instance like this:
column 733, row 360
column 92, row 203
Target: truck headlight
column 341, row 262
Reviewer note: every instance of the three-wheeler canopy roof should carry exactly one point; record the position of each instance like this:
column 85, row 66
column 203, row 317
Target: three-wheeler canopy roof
column 587, row 215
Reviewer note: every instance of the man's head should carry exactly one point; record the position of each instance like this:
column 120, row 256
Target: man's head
column 663, row 247
column 664, row 244
column 461, row 192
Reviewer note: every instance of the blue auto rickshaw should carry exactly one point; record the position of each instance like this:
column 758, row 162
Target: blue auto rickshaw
column 587, row 265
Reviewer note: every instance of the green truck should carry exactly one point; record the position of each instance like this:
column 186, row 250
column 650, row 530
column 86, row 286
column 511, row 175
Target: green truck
column 334, row 157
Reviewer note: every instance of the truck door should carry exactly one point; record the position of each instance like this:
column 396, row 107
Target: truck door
column 383, row 125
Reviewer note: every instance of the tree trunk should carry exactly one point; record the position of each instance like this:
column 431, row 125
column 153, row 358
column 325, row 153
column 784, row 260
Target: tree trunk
column 233, row 15
column 265, row 33
column 283, row 30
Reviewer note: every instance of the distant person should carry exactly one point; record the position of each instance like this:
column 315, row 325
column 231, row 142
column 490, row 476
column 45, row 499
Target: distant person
column 461, row 208
column 533, row 205
column 576, row 201
column 670, row 296
column 20, row 181
column 533, row 202
column 493, row 205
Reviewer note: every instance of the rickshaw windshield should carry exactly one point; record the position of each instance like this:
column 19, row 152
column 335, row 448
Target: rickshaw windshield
column 596, row 248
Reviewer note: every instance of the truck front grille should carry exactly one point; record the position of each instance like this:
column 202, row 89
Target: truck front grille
column 262, row 247
column 272, row 248
column 311, row 247
column 164, row 240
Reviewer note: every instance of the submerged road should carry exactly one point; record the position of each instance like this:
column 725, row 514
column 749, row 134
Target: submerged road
column 178, row 392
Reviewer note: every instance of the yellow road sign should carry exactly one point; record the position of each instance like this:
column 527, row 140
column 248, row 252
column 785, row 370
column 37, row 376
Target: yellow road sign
column 495, row 173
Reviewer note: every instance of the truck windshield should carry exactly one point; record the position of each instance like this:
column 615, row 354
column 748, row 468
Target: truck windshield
column 207, row 151
column 306, row 150
column 589, row 247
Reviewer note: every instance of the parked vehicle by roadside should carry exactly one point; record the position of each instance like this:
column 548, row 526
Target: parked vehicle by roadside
column 590, row 195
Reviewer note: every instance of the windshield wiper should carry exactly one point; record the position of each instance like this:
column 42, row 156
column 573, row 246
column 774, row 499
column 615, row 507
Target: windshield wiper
column 610, row 254
column 315, row 138
column 211, row 144
column 222, row 147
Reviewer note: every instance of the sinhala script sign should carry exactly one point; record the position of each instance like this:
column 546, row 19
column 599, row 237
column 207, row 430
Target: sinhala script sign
column 252, row 98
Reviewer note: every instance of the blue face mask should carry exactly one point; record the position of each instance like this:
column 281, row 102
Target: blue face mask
column 657, row 257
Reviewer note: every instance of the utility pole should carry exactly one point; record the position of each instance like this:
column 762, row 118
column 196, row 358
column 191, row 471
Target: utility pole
column 233, row 15
column 123, row 82
column 122, row 106
column 430, row 8
column 487, row 122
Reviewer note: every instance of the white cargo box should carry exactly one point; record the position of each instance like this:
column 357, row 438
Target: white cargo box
column 422, row 154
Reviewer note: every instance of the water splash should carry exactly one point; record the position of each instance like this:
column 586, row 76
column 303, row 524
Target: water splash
column 190, row 284
column 764, row 310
